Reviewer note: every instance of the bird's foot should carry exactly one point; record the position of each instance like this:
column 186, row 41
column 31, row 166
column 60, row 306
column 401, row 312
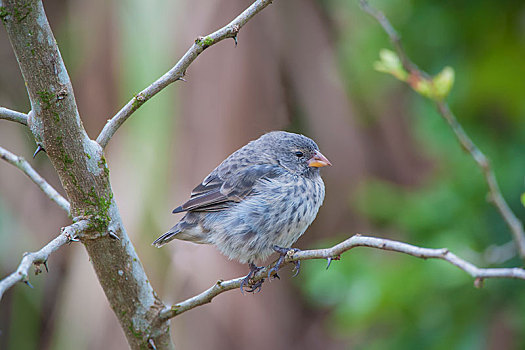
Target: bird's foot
column 283, row 253
column 254, row 287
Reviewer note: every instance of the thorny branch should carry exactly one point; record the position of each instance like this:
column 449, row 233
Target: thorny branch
column 178, row 71
column 40, row 257
column 23, row 165
column 514, row 224
column 333, row 253
column 13, row 116
column 82, row 168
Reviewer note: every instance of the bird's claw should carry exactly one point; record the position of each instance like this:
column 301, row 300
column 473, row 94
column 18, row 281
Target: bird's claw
column 283, row 253
column 272, row 273
column 276, row 268
column 297, row 267
column 254, row 287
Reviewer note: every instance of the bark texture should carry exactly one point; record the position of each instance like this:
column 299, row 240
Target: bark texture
column 83, row 172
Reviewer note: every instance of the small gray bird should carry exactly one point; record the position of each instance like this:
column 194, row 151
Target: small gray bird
column 258, row 201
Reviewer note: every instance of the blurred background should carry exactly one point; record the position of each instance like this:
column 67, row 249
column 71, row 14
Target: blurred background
column 303, row 66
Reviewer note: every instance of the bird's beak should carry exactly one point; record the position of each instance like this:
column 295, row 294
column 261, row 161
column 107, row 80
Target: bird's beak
column 318, row 160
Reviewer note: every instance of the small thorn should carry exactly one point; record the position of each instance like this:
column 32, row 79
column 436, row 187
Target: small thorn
column 297, row 267
column 181, row 79
column 38, row 149
column 235, row 30
column 253, row 286
column 332, row 258
column 329, row 262
column 45, row 265
column 26, row 281
column 73, row 239
column 113, row 235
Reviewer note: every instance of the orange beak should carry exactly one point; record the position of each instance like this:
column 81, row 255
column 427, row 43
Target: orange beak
column 318, row 160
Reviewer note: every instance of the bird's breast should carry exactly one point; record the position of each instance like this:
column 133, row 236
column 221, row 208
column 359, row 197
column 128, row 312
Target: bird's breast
column 277, row 213
column 299, row 209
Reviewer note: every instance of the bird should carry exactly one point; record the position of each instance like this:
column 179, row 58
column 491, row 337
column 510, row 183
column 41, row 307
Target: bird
column 258, row 201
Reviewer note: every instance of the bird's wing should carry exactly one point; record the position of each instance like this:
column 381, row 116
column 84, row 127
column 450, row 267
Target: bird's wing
column 216, row 193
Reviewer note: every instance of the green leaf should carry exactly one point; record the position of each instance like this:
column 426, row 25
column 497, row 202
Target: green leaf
column 390, row 63
column 422, row 86
column 443, row 83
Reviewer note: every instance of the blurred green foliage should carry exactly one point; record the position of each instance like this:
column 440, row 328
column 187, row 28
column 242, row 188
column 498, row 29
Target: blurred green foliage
column 381, row 300
column 375, row 299
column 435, row 88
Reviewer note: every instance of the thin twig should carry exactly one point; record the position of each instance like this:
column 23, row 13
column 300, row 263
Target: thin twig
column 514, row 224
column 13, row 116
column 177, row 72
column 479, row 274
column 394, row 36
column 37, row 258
column 23, row 165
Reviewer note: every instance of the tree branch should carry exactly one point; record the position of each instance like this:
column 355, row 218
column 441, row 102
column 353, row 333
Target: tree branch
column 23, row 165
column 81, row 165
column 84, row 174
column 334, row 253
column 37, row 258
column 13, row 116
column 395, row 38
column 178, row 71
column 514, row 224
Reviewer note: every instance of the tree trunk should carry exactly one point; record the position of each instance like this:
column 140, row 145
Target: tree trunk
column 83, row 172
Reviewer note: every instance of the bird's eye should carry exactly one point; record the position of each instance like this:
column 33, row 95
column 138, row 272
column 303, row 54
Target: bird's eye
column 299, row 154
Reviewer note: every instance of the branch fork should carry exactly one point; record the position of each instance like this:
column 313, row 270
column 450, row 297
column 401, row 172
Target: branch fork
column 67, row 235
column 27, row 169
column 13, row 116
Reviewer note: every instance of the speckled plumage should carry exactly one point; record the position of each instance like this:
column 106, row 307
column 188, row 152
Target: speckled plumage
column 263, row 195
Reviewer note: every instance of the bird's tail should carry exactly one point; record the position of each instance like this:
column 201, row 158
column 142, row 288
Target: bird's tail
column 167, row 237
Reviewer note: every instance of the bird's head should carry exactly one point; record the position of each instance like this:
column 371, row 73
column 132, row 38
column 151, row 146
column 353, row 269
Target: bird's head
column 296, row 153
